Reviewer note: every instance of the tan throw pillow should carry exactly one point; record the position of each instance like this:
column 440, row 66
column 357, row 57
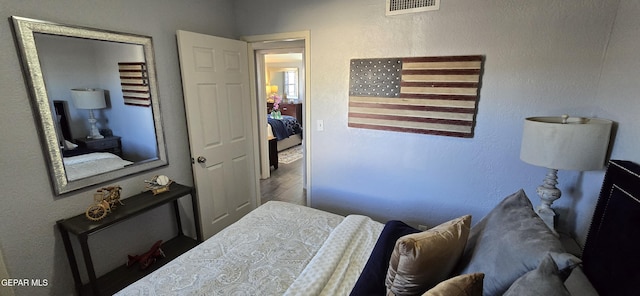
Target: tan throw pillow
column 462, row 285
column 421, row 260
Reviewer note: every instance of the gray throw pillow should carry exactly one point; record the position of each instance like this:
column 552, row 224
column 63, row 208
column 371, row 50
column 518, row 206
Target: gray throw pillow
column 544, row 280
column 510, row 241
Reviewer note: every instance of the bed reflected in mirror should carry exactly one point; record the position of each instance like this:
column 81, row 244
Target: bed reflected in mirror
column 95, row 98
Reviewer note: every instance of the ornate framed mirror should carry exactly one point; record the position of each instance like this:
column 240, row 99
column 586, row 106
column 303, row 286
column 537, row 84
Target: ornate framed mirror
column 95, row 100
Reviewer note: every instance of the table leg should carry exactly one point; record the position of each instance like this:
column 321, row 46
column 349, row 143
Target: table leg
column 89, row 263
column 73, row 263
column 196, row 215
column 273, row 153
column 176, row 210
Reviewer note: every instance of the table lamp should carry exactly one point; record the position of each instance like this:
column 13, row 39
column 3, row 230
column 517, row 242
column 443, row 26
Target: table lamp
column 89, row 98
column 563, row 143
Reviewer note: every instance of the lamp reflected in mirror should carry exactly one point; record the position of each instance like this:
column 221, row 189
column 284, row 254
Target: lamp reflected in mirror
column 89, row 99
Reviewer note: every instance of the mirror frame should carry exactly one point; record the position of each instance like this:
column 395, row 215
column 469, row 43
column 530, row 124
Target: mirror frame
column 24, row 29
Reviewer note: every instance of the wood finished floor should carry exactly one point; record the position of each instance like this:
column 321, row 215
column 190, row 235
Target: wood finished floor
column 285, row 184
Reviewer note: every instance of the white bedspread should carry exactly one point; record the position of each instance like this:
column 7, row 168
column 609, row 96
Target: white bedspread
column 336, row 267
column 267, row 251
column 82, row 166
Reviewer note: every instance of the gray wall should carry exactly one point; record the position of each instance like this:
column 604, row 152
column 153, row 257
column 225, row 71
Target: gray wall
column 542, row 58
column 29, row 241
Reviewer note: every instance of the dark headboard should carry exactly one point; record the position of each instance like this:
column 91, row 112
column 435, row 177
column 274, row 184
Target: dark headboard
column 61, row 110
column 611, row 256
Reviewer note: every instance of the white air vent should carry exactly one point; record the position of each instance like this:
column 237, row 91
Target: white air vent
column 410, row 6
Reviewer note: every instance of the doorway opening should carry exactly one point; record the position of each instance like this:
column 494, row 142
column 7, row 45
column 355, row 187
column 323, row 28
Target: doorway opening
column 280, row 81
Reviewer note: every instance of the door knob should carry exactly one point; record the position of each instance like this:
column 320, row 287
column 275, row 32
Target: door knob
column 202, row 159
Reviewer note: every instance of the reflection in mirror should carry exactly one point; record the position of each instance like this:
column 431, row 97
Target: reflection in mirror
column 286, row 80
column 282, row 72
column 95, row 96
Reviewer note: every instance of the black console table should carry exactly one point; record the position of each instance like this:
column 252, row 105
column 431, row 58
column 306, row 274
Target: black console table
column 122, row 276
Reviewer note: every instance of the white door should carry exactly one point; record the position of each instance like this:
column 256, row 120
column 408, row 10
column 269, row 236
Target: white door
column 215, row 81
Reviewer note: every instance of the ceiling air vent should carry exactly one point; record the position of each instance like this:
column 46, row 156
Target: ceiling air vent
column 410, row 6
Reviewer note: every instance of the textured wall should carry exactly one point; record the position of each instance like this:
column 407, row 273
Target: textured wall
column 29, row 241
column 542, row 58
column 618, row 90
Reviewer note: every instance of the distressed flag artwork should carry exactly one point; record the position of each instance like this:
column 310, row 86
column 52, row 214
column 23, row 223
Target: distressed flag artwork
column 425, row 95
column 135, row 84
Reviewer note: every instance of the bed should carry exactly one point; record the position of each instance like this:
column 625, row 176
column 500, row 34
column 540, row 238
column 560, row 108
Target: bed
column 611, row 251
column 82, row 165
column 267, row 252
column 287, row 131
column 286, row 249
column 81, row 162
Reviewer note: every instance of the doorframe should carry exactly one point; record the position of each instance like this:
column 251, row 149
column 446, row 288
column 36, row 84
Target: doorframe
column 254, row 43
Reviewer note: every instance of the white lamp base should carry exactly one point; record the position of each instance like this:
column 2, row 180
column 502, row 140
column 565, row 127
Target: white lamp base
column 93, row 132
column 548, row 194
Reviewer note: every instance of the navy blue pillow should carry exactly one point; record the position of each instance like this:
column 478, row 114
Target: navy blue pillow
column 371, row 280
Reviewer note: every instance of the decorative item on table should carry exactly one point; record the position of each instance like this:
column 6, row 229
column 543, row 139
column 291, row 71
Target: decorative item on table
column 105, row 201
column 148, row 257
column 275, row 112
column 106, row 132
column 158, row 184
column 89, row 98
column 563, row 143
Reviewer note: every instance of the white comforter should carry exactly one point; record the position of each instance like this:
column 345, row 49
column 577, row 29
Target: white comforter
column 82, row 166
column 277, row 249
column 338, row 264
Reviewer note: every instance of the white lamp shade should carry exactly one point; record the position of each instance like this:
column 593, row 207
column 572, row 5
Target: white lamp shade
column 580, row 144
column 88, row 98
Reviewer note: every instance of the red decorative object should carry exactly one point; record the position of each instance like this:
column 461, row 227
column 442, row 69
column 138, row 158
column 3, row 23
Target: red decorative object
column 147, row 258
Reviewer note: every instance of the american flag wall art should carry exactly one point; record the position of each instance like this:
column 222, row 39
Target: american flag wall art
column 425, row 95
column 135, row 84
